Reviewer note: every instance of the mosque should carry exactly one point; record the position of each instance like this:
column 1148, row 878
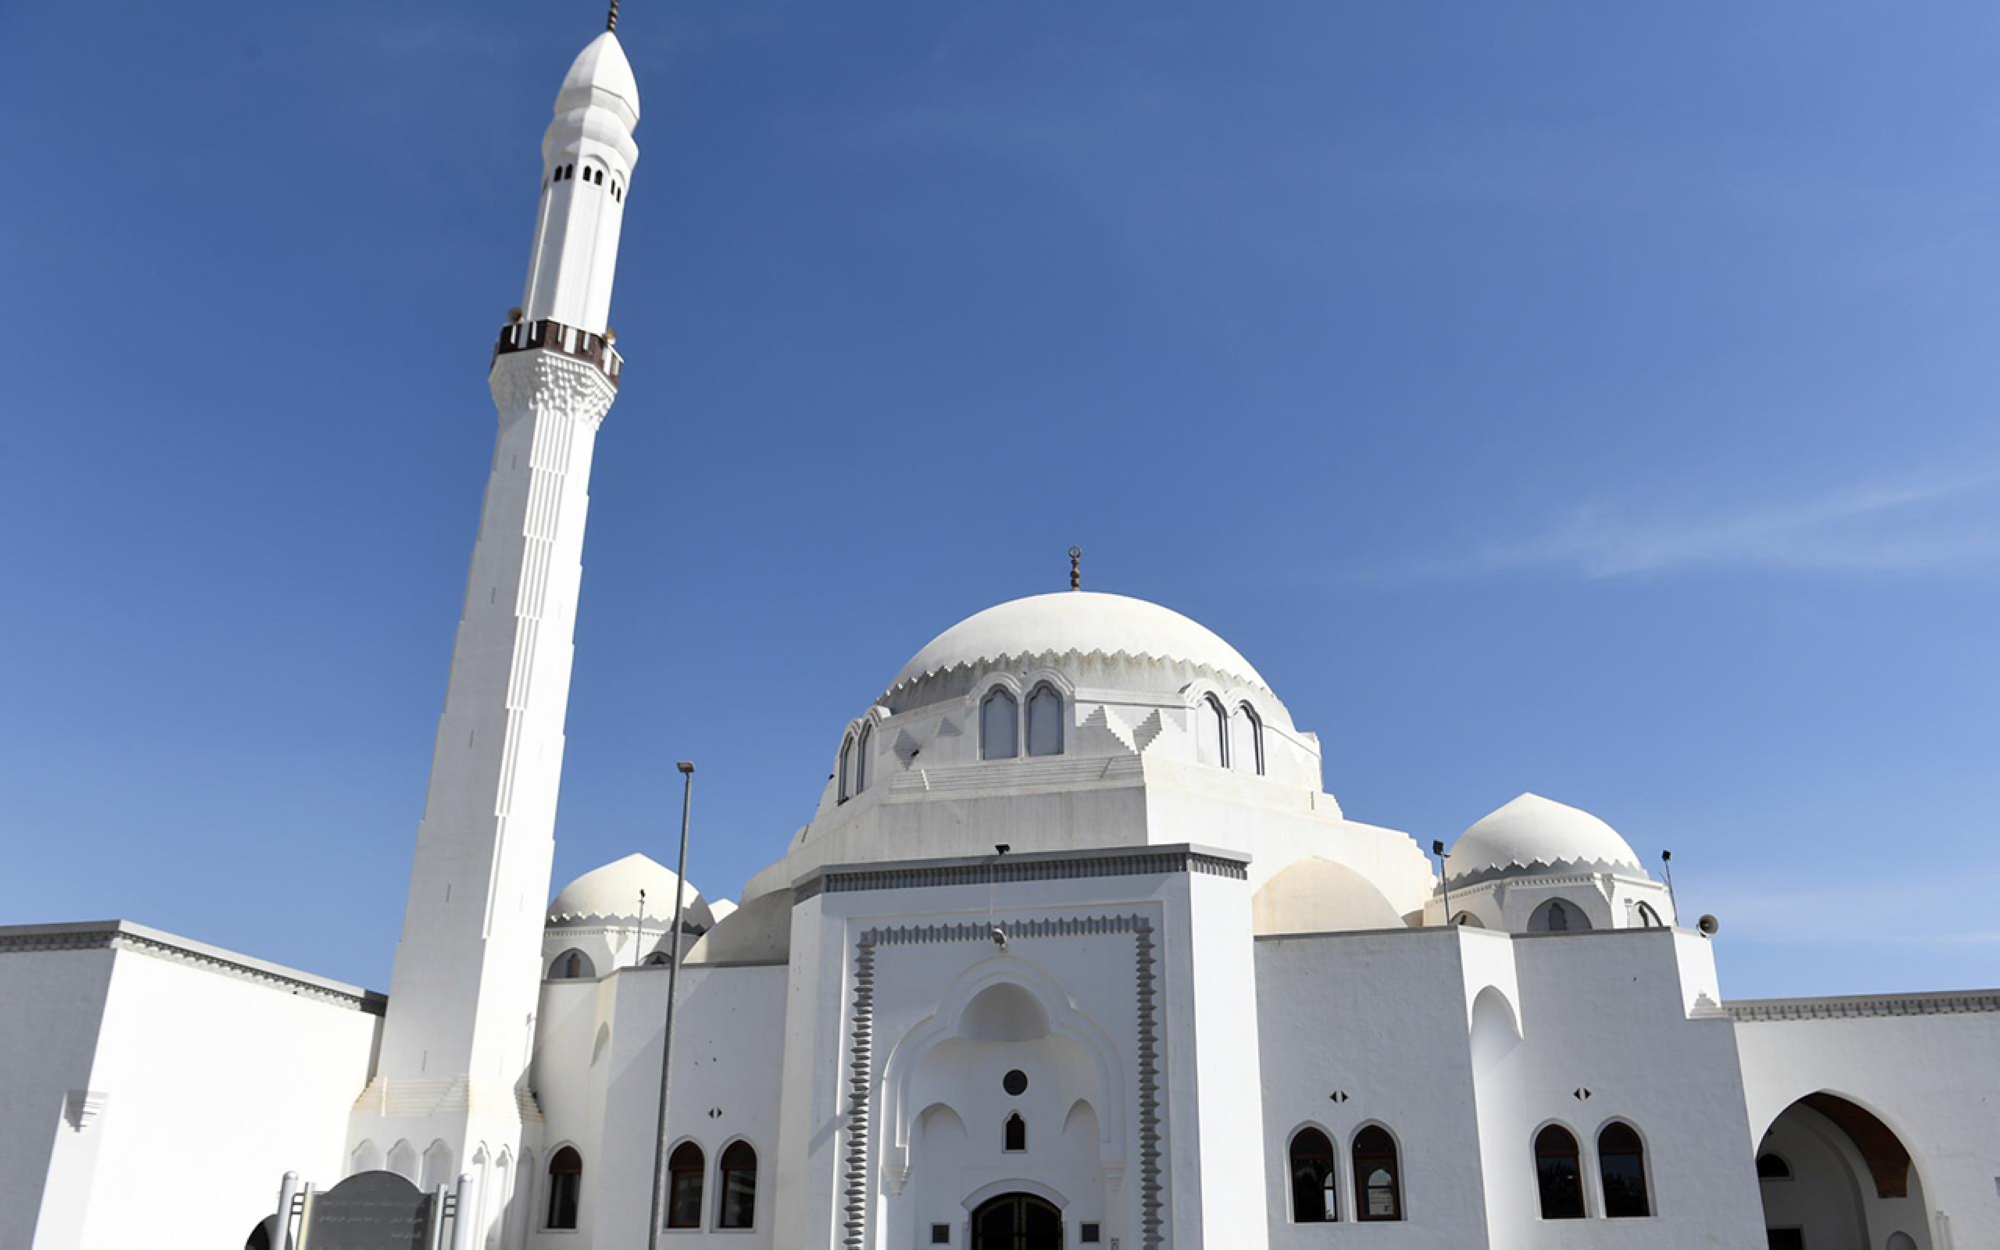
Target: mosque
column 1076, row 951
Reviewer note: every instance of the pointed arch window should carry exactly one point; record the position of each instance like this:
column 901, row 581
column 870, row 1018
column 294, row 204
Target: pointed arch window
column 685, row 1167
column 842, row 776
column 1246, row 748
column 864, row 747
column 565, row 1188
column 1212, row 732
column 1315, row 1199
column 1378, row 1179
column 572, row 965
column 1650, row 919
column 1045, row 721
column 1559, row 1174
column 1558, row 916
column 999, row 726
column 738, row 1177
column 1621, row 1161
column 1016, row 1133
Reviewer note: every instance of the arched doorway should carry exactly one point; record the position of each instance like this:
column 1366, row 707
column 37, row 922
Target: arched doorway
column 1833, row 1176
column 1017, row 1222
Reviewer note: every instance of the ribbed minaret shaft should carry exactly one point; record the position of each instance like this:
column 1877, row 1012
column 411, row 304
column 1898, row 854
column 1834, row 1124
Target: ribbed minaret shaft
column 450, row 1087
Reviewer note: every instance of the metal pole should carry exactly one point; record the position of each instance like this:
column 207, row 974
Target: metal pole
column 288, row 1192
column 1667, row 863
column 1444, row 876
column 659, row 1217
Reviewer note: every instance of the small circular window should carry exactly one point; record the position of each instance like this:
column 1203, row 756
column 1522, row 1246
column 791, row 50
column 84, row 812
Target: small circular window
column 1015, row 1082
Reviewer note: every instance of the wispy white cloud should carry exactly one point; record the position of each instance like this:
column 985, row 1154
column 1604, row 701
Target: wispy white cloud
column 1933, row 524
column 1877, row 913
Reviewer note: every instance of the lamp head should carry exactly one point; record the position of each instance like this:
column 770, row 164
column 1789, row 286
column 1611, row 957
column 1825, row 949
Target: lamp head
column 686, row 767
column 1437, row 847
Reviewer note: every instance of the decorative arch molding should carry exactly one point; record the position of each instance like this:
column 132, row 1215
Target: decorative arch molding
column 949, row 1022
column 1016, row 1185
column 1883, row 1148
column 860, row 1106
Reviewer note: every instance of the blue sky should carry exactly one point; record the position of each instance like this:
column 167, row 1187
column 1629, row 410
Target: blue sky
column 1571, row 398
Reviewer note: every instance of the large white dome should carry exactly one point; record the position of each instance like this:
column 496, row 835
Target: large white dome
column 1082, row 622
column 1532, row 834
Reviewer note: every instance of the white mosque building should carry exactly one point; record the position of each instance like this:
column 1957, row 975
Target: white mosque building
column 1076, row 951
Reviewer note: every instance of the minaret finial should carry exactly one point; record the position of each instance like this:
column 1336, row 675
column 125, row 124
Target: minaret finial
column 1076, row 568
column 611, row 21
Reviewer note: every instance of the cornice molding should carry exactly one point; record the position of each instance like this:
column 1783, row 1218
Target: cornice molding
column 1863, row 1006
column 123, row 935
column 1140, row 861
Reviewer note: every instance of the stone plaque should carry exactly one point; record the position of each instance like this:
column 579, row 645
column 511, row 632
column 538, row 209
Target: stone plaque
column 370, row 1211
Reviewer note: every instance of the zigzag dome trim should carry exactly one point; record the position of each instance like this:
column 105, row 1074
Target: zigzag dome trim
column 1543, row 867
column 1049, row 659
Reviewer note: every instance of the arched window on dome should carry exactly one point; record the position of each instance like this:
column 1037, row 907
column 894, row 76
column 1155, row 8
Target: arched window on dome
column 1558, row 916
column 999, row 726
column 864, row 747
column 1211, row 732
column 1045, row 721
column 1559, row 1174
column 1621, row 1162
column 1648, row 918
column 685, row 1167
column 736, row 1174
column 842, row 775
column 572, row 965
column 1378, row 1180
column 1314, row 1197
column 1246, row 746
column 565, row 1189
column 1466, row 920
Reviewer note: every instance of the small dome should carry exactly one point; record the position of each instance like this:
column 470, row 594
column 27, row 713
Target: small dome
column 1534, row 835
column 1319, row 896
column 611, row 893
column 601, row 74
column 1083, row 622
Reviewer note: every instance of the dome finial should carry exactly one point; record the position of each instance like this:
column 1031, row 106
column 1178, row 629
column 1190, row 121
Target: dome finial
column 611, row 20
column 1076, row 568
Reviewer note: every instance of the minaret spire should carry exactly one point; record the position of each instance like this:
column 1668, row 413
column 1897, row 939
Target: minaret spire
column 453, row 1062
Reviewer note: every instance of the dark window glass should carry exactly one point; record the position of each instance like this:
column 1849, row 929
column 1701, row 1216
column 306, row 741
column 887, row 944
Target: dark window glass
column 1212, row 730
column 565, row 1188
column 846, row 761
column 1621, row 1158
column 1017, row 1132
column 999, row 727
column 1045, row 728
column 1785, row 1238
column 738, row 1170
column 864, row 746
column 1559, row 1175
column 1378, row 1187
column 685, row 1167
column 940, row 1234
column 1314, row 1200
column 1771, row 1167
column 1088, row 1234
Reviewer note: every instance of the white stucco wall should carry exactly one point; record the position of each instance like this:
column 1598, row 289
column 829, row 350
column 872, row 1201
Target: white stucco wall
column 217, row 1073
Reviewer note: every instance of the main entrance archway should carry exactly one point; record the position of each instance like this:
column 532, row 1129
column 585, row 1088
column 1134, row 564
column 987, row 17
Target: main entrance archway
column 1017, row 1222
column 1835, row 1177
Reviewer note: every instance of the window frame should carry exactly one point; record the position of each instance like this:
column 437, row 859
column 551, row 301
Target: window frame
column 999, row 691
column 1211, row 704
column 863, row 742
column 553, row 1191
column 1640, row 1152
column 674, row 1172
column 1027, row 718
column 722, row 1173
column 1329, row 1183
column 1575, row 1157
column 1395, row 1159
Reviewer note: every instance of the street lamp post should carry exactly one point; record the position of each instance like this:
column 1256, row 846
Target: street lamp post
column 659, row 1217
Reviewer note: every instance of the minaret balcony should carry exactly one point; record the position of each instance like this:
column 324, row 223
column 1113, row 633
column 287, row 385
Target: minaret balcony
column 554, row 336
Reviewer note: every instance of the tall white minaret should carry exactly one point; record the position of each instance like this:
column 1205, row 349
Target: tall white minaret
column 451, row 1077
